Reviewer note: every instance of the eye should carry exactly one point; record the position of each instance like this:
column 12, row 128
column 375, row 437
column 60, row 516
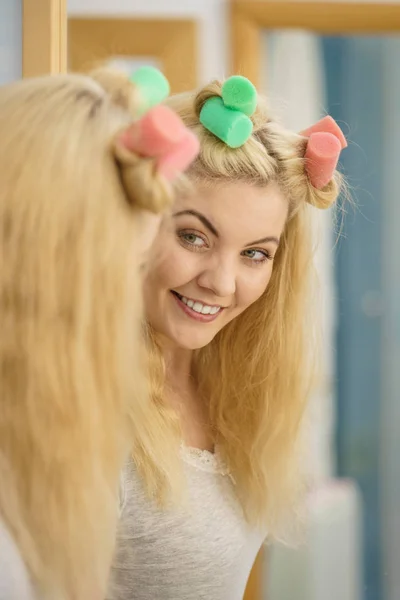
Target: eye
column 257, row 256
column 192, row 240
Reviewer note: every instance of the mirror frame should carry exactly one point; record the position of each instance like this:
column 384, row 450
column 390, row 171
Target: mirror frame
column 44, row 37
column 249, row 18
column 173, row 42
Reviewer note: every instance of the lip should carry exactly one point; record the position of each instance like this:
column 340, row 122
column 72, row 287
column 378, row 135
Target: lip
column 193, row 314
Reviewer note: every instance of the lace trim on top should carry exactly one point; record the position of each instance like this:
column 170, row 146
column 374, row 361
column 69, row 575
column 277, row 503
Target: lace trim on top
column 211, row 462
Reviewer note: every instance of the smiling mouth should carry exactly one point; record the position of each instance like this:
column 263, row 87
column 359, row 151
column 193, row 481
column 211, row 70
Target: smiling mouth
column 197, row 310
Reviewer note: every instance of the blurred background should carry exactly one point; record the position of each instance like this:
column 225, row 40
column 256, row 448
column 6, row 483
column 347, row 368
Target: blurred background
column 310, row 58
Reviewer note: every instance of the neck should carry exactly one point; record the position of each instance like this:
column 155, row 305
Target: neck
column 178, row 362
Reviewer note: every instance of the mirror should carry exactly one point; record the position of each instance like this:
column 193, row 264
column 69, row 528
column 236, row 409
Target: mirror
column 342, row 58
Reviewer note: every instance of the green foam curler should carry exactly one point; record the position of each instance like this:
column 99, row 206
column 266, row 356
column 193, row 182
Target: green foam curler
column 153, row 85
column 229, row 125
column 238, row 92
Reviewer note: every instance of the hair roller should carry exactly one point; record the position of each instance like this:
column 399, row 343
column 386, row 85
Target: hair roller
column 156, row 146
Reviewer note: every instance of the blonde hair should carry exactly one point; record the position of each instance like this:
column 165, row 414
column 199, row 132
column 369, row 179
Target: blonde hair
column 72, row 389
column 257, row 372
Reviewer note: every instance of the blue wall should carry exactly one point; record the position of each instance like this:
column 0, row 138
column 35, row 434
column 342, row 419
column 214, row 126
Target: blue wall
column 10, row 40
column 355, row 98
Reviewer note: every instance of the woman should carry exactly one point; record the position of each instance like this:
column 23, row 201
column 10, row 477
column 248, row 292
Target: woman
column 79, row 179
column 227, row 299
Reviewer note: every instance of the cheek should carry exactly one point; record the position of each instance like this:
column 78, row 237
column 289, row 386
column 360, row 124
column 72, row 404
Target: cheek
column 252, row 287
column 171, row 266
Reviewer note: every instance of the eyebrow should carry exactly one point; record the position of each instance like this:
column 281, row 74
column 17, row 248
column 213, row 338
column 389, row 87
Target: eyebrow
column 201, row 218
column 210, row 227
column 266, row 240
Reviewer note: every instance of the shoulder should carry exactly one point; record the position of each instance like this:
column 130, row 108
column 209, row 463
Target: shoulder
column 14, row 578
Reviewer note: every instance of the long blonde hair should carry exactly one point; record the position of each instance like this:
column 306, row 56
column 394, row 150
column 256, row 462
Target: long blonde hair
column 72, row 388
column 256, row 374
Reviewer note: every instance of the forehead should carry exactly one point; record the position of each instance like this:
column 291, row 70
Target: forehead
column 239, row 209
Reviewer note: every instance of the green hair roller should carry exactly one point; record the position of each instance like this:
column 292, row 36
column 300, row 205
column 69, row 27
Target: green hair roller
column 153, row 86
column 227, row 117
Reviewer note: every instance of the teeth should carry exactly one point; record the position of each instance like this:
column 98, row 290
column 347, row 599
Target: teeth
column 198, row 307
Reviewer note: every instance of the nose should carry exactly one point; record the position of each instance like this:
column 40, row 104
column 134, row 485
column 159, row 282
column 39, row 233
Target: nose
column 219, row 276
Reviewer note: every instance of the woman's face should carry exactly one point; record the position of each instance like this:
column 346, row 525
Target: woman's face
column 212, row 259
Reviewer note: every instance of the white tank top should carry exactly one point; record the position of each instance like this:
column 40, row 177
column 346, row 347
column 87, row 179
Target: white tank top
column 202, row 550
column 14, row 578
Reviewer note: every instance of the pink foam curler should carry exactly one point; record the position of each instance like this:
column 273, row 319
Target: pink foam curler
column 327, row 125
column 162, row 135
column 322, row 156
column 179, row 157
column 154, row 134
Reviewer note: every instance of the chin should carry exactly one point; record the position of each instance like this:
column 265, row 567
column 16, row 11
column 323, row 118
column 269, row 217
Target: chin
column 191, row 341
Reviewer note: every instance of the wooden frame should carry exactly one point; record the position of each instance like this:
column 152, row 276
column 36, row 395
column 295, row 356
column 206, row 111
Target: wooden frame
column 172, row 42
column 44, row 37
column 254, row 584
column 248, row 18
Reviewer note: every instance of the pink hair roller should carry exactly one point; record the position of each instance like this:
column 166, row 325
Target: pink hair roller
column 155, row 133
column 161, row 134
column 179, row 157
column 326, row 141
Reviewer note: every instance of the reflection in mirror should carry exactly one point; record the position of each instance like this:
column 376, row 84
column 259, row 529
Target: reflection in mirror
column 353, row 521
